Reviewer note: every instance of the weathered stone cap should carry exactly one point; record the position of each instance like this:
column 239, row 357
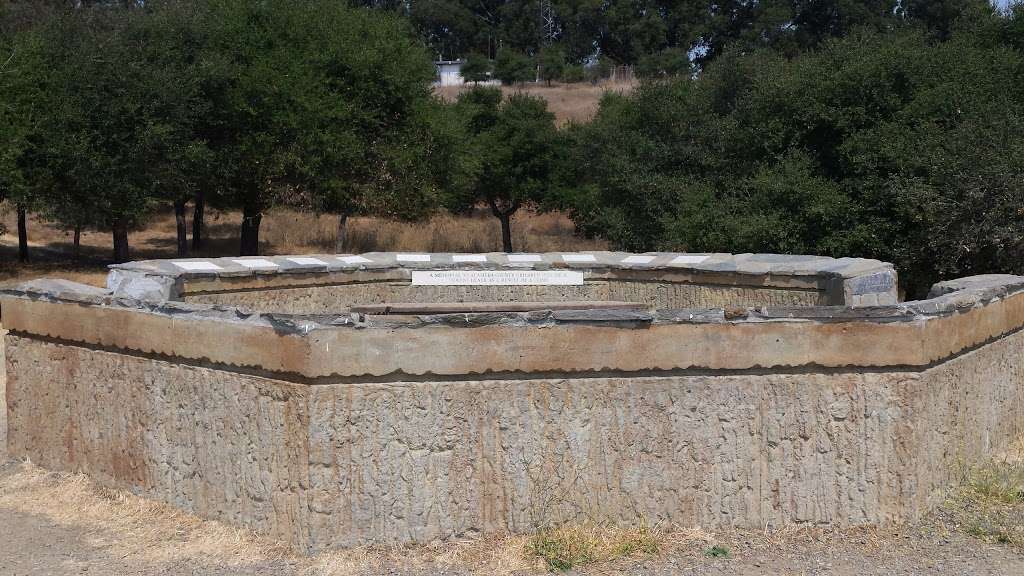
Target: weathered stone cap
column 314, row 347
column 852, row 281
column 711, row 262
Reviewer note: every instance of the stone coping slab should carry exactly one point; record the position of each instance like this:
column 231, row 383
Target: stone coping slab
column 851, row 281
column 325, row 348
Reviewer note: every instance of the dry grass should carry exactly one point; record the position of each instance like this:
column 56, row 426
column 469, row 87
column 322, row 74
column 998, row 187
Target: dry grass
column 285, row 232
column 129, row 526
column 149, row 533
column 990, row 505
column 572, row 545
column 569, row 102
column 289, row 232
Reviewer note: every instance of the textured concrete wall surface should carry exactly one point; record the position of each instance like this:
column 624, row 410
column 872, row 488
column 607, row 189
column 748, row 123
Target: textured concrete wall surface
column 336, row 428
column 327, row 299
column 344, row 464
column 3, row 397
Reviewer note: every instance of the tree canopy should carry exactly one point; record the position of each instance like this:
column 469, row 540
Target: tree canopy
column 629, row 32
column 887, row 145
column 111, row 110
column 509, row 151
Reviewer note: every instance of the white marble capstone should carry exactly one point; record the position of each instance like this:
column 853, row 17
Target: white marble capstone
column 689, row 259
column 255, row 263
column 412, row 257
column 354, row 259
column 197, row 266
column 638, row 259
column 524, row 258
column 469, row 257
column 305, row 261
column 578, row 258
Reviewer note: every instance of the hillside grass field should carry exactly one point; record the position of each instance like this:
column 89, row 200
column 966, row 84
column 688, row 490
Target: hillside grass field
column 284, row 232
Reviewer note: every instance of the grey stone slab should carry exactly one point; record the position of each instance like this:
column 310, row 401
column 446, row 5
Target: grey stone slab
column 610, row 315
column 694, row 315
column 141, row 286
column 875, row 283
column 982, row 281
column 301, row 264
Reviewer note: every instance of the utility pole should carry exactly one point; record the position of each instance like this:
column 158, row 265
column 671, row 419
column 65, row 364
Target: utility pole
column 547, row 22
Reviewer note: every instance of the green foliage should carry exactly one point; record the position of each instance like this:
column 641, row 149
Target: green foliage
column 20, row 109
column 630, row 32
column 552, row 63
column 509, row 156
column 668, row 62
column 513, row 67
column 476, row 68
column 111, row 109
column 717, row 551
column 560, row 555
column 990, row 502
column 106, row 103
column 878, row 145
column 328, row 115
column 574, row 73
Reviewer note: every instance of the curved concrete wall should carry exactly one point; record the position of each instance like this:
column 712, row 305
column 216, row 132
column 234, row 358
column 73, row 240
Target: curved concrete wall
column 329, row 283
column 342, row 427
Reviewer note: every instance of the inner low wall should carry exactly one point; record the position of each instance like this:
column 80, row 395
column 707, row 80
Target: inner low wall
column 328, row 284
column 327, row 299
column 3, row 398
column 339, row 428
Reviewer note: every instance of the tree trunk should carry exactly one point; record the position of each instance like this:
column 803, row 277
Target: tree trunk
column 504, row 215
column 250, row 241
column 77, row 250
column 506, row 231
column 197, row 221
column 22, row 234
column 339, row 240
column 120, row 233
column 179, row 217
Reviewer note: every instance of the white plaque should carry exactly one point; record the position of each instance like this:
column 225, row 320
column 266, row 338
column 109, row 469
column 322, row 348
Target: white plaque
column 496, row 278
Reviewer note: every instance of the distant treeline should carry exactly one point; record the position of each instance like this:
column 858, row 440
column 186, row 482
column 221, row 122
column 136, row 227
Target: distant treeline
column 659, row 36
column 838, row 128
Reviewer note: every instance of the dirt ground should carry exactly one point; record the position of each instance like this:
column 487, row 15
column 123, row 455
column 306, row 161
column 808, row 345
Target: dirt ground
column 54, row 523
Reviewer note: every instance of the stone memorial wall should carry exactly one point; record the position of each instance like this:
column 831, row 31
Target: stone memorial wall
column 338, row 400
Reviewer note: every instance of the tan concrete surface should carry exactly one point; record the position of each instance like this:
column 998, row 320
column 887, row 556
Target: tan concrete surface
column 3, row 397
column 335, row 298
column 565, row 347
column 345, row 464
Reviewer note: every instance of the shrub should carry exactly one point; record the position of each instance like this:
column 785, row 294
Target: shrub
column 513, row 67
column 574, row 74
